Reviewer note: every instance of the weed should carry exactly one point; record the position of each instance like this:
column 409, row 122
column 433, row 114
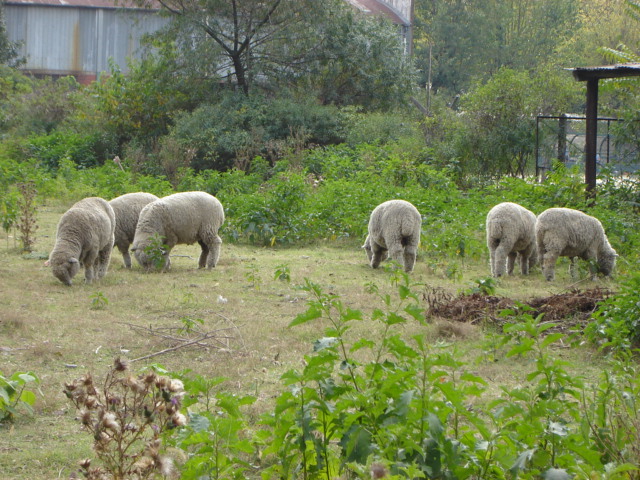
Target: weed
column 99, row 301
column 156, row 251
column 27, row 222
column 14, row 395
column 126, row 417
column 282, row 273
column 253, row 276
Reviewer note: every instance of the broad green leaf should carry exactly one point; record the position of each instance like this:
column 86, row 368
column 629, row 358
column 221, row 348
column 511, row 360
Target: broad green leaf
column 311, row 314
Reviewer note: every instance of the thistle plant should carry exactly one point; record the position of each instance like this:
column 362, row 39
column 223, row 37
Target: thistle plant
column 126, row 416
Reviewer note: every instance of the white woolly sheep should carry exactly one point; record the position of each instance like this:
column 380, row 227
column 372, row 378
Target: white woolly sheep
column 394, row 231
column 563, row 232
column 511, row 234
column 127, row 208
column 181, row 218
column 84, row 238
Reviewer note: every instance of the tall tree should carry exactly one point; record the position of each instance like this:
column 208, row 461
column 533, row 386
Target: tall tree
column 471, row 39
column 241, row 38
column 9, row 51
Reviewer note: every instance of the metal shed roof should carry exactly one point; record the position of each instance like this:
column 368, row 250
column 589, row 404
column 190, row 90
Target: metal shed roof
column 606, row 71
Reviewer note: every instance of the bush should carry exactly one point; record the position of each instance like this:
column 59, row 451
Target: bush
column 248, row 126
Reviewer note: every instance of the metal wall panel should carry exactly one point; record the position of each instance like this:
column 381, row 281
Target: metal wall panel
column 77, row 40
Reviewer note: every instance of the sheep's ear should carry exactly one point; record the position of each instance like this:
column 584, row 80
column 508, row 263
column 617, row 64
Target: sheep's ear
column 73, row 260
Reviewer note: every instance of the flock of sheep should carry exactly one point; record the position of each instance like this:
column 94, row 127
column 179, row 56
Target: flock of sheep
column 89, row 230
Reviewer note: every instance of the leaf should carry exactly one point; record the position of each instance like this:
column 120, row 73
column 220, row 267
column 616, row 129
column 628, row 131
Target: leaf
column 324, row 342
column 556, row 474
column 311, row 314
column 28, row 397
column 199, row 423
column 549, row 339
column 521, row 461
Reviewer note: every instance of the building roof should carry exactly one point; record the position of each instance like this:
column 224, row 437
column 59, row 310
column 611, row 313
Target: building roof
column 606, row 71
column 376, row 7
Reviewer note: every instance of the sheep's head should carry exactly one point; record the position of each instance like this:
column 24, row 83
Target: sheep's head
column 64, row 269
column 607, row 261
column 151, row 253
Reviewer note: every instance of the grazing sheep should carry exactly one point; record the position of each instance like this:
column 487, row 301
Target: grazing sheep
column 84, row 238
column 563, row 232
column 127, row 209
column 180, row 218
column 511, row 234
column 394, row 231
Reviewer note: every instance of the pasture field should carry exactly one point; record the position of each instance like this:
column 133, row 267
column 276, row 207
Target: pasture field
column 61, row 333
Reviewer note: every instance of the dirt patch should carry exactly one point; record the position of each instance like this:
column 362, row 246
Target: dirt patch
column 571, row 308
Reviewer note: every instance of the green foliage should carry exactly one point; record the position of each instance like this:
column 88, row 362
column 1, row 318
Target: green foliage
column 14, row 395
column 215, row 439
column 616, row 323
column 282, row 273
column 248, row 126
column 99, row 301
column 156, row 251
column 50, row 150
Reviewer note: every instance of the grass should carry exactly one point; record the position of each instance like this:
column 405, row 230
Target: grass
column 62, row 332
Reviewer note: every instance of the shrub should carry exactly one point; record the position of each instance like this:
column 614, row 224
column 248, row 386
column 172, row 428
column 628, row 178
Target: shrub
column 616, row 322
column 14, row 395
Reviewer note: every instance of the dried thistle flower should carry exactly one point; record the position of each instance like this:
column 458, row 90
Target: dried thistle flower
column 165, row 466
column 120, row 365
column 86, row 463
column 178, row 419
column 85, row 417
column 378, row 471
column 175, row 385
column 135, row 384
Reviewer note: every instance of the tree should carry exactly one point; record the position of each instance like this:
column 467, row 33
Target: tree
column 240, row 39
column 500, row 118
column 471, row 40
column 9, row 51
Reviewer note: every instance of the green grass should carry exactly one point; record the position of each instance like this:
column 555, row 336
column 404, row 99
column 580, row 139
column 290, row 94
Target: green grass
column 58, row 333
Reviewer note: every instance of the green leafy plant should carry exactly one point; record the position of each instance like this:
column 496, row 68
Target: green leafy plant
column 14, row 395
column 156, row 250
column 217, row 439
column 253, row 276
column 282, row 273
column 616, row 322
column 99, row 301
column 126, row 416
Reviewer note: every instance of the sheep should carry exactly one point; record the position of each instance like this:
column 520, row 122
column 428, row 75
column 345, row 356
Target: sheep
column 84, row 238
column 511, row 234
column 394, row 231
column 570, row 233
column 127, row 209
column 181, row 218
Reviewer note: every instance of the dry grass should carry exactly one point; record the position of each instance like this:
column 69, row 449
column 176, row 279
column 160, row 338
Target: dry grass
column 61, row 332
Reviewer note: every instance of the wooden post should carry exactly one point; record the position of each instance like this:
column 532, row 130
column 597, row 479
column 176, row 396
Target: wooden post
column 591, row 140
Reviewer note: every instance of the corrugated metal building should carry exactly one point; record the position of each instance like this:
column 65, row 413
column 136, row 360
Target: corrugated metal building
column 77, row 37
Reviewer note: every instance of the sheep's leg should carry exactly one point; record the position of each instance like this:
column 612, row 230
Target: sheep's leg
column 549, row 265
column 202, row 262
column 409, row 258
column 396, row 253
column 511, row 261
column 500, row 260
column 214, row 252
column 88, row 261
column 126, row 257
column 492, row 260
column 525, row 261
column 102, row 262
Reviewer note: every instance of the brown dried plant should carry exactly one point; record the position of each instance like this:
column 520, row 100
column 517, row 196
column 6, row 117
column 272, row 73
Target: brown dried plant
column 27, row 222
column 126, row 417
